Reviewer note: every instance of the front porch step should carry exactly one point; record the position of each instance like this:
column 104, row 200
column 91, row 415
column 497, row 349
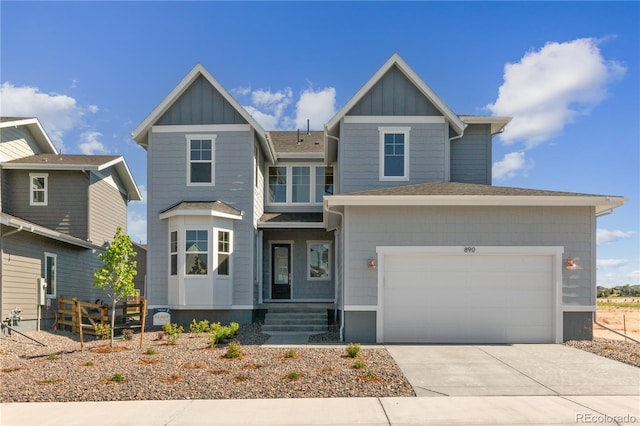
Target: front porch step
column 295, row 320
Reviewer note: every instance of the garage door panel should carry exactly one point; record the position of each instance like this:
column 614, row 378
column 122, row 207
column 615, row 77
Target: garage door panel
column 468, row 299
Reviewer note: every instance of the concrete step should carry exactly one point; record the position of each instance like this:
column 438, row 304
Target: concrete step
column 297, row 310
column 299, row 321
column 294, row 316
column 294, row 320
column 294, row 328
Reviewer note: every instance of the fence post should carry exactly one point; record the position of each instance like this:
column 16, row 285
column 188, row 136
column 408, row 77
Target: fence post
column 79, row 322
column 143, row 318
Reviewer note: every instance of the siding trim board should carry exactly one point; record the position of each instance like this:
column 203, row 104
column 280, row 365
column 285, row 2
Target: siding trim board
column 391, row 119
column 194, row 128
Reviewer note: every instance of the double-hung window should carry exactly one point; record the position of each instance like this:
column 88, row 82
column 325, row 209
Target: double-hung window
column 394, row 153
column 39, row 188
column 318, row 260
column 173, row 253
column 197, row 252
column 224, row 252
column 200, row 167
column 299, row 184
column 50, row 273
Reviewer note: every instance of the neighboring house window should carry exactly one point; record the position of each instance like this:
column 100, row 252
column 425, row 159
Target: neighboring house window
column 318, row 260
column 201, row 168
column 173, row 252
column 224, row 252
column 196, row 257
column 277, row 184
column 324, row 182
column 394, row 153
column 39, row 189
column 299, row 184
column 50, row 273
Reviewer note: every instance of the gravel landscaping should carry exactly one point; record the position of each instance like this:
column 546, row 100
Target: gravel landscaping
column 627, row 352
column 189, row 370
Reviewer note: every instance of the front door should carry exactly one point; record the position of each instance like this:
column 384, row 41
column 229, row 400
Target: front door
column 281, row 271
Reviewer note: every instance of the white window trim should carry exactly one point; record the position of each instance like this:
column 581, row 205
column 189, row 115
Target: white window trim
column 177, row 252
column 406, row 131
column 289, row 176
column 46, row 189
column 55, row 268
column 230, row 252
column 213, row 159
column 185, row 253
column 309, row 277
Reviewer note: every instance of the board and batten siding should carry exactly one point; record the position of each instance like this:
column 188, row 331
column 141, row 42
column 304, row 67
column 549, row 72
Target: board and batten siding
column 23, row 263
column 370, row 227
column 359, row 153
column 66, row 210
column 471, row 156
column 17, row 143
column 395, row 95
column 107, row 209
column 167, row 186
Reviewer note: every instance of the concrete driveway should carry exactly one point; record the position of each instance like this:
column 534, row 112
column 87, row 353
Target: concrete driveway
column 513, row 370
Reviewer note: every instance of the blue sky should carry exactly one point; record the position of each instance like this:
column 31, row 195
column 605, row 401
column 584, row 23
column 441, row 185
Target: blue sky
column 567, row 72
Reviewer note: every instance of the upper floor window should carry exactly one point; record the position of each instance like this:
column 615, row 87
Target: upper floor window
column 394, row 153
column 39, row 189
column 299, row 184
column 197, row 248
column 200, row 167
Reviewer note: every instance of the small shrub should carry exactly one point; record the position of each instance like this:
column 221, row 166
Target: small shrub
column 88, row 364
column 52, row 357
column 358, row 365
column 234, row 327
column 2, row 351
column 150, row 351
column 50, row 380
column 117, row 378
column 219, row 333
column 198, row 327
column 294, row 375
column 290, row 354
column 127, row 334
column 234, row 350
column 103, row 331
column 353, row 350
column 371, row 375
column 172, row 331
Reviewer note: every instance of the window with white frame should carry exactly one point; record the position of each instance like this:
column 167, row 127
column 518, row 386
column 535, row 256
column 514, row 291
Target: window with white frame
column 196, row 252
column 318, row 260
column 39, row 188
column 173, row 253
column 299, row 184
column 224, row 252
column 200, row 167
column 394, row 153
column 50, row 273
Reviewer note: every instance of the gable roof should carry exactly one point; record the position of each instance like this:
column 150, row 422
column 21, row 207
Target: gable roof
column 467, row 194
column 202, row 208
column 395, row 60
column 36, row 129
column 139, row 134
column 287, row 144
column 79, row 162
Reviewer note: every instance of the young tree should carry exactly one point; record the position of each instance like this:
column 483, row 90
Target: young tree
column 117, row 273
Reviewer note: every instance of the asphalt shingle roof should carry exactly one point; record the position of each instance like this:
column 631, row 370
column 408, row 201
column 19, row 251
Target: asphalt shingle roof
column 291, row 217
column 217, row 206
column 65, row 160
column 287, row 141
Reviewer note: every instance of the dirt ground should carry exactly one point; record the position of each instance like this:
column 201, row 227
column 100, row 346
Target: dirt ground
column 615, row 317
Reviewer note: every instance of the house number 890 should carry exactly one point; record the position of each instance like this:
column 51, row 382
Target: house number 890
column 469, row 249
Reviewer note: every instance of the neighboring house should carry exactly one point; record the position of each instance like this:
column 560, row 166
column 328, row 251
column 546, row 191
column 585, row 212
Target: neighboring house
column 57, row 213
column 387, row 217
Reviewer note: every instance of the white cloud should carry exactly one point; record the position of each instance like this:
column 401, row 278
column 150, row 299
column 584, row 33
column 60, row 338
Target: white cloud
column 267, row 121
column 93, row 109
column 606, row 236
column 634, row 276
column 271, row 100
column 90, row 144
column 241, row 91
column 611, row 263
column 316, row 106
column 549, row 88
column 57, row 113
column 510, row 165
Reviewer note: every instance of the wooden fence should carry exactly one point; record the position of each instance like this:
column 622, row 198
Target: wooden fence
column 82, row 317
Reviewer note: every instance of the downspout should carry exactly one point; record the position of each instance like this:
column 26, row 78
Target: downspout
column 328, row 210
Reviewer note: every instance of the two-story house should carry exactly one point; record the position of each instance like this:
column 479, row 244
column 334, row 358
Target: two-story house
column 387, row 218
column 57, row 213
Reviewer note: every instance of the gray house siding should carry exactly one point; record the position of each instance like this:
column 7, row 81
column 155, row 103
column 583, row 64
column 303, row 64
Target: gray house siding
column 107, row 210
column 359, row 153
column 570, row 227
column 23, row 263
column 303, row 288
column 471, row 156
column 66, row 211
column 167, row 186
column 201, row 103
column 394, row 94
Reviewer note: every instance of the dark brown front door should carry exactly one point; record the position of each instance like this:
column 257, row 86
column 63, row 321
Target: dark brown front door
column 281, row 271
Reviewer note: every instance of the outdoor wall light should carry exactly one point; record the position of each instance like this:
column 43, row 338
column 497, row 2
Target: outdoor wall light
column 371, row 263
column 570, row 264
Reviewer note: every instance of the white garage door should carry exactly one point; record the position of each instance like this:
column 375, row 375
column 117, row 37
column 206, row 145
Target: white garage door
column 493, row 298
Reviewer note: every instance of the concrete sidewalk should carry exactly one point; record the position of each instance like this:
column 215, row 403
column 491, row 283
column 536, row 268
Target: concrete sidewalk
column 488, row 410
